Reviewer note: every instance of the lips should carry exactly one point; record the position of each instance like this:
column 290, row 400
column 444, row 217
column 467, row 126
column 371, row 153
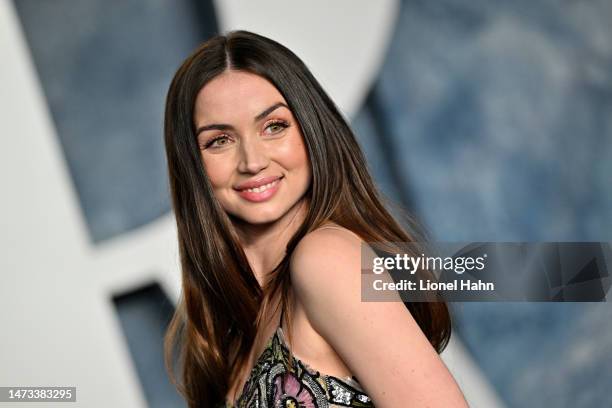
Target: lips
column 255, row 183
column 263, row 189
column 261, row 193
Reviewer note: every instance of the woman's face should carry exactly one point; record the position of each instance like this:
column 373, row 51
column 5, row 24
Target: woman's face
column 251, row 147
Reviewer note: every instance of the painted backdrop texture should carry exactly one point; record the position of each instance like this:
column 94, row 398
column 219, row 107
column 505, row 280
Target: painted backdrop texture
column 493, row 121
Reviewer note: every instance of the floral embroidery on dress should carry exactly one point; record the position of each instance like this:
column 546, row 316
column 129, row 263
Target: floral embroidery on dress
column 271, row 384
column 290, row 393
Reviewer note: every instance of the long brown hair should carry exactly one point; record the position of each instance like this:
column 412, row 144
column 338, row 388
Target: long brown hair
column 222, row 303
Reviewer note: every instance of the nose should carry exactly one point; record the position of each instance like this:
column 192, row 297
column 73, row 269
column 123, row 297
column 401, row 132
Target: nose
column 253, row 155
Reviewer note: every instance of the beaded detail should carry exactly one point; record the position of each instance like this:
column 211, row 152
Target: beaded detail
column 271, row 383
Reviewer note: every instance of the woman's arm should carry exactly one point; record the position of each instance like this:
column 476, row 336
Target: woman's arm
column 380, row 342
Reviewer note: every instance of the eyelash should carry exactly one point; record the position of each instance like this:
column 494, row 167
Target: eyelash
column 284, row 125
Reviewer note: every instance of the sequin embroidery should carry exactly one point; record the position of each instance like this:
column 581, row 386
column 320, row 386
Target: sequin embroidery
column 271, row 383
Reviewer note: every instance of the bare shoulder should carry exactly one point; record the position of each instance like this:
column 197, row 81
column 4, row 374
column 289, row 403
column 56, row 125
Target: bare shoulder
column 329, row 240
column 321, row 251
column 380, row 342
column 325, row 270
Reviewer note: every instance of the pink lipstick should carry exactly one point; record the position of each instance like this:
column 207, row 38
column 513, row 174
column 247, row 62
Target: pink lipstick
column 260, row 189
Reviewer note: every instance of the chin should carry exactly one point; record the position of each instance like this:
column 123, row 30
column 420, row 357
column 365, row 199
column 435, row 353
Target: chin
column 257, row 219
column 262, row 216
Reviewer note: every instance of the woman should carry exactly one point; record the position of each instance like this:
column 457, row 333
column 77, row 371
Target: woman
column 272, row 199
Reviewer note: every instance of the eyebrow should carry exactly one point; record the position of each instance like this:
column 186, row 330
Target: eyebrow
column 222, row 126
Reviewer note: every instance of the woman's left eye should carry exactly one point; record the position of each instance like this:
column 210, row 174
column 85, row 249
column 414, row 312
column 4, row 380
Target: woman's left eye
column 276, row 127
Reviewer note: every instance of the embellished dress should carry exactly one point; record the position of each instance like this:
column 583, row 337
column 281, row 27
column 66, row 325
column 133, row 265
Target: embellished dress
column 272, row 384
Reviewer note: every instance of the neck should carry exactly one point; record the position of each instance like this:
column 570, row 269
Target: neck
column 265, row 244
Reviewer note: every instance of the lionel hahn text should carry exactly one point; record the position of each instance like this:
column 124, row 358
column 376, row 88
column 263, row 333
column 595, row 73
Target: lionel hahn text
column 403, row 284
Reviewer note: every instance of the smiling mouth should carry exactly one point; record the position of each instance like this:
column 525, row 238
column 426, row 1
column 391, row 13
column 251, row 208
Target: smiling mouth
column 263, row 188
column 261, row 193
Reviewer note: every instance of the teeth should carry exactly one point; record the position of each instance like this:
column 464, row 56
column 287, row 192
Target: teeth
column 261, row 188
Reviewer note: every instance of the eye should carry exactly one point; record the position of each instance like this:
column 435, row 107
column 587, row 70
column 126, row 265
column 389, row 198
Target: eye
column 276, row 126
column 216, row 142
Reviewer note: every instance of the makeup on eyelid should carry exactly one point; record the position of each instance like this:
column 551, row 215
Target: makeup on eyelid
column 276, row 122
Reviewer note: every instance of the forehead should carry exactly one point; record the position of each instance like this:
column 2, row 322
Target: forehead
column 233, row 94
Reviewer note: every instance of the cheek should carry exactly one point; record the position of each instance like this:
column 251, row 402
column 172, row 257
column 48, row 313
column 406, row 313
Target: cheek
column 218, row 171
column 294, row 154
